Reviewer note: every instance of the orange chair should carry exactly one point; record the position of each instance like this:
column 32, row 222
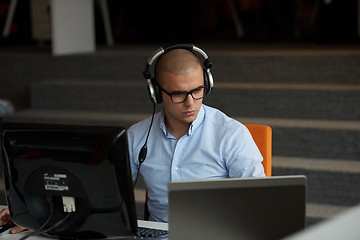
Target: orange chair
column 262, row 136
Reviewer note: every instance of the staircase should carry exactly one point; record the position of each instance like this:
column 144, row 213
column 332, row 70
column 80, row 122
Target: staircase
column 310, row 97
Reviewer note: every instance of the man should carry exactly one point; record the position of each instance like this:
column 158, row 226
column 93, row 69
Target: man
column 188, row 140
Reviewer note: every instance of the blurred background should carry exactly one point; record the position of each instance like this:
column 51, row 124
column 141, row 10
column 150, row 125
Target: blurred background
column 290, row 64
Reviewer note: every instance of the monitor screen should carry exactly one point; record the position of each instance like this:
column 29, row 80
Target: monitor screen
column 71, row 181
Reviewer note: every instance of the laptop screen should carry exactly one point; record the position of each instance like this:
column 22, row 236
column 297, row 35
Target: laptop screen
column 238, row 208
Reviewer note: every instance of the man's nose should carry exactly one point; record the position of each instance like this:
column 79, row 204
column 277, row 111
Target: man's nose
column 189, row 100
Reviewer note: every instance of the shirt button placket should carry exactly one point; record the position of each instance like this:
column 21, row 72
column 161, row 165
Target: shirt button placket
column 175, row 168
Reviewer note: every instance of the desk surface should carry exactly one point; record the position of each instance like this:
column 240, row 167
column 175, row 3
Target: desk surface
column 343, row 226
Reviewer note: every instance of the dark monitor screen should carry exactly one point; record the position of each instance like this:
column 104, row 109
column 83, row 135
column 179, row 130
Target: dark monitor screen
column 72, row 181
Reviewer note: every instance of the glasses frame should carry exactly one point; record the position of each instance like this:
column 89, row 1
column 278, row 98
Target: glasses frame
column 184, row 92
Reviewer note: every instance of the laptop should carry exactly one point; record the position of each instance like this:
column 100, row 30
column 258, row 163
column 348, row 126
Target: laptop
column 237, row 208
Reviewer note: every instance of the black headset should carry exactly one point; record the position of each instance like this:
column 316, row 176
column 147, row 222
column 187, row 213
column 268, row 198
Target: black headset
column 153, row 87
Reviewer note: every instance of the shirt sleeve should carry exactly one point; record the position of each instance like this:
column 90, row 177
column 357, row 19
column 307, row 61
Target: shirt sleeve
column 132, row 159
column 242, row 156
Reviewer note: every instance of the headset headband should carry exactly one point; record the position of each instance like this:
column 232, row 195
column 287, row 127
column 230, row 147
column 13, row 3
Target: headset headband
column 160, row 51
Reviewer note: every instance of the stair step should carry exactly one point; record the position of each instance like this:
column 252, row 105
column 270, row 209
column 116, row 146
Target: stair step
column 298, row 140
column 332, row 102
column 317, row 164
column 335, row 102
column 77, row 117
column 316, row 143
column 304, row 123
column 115, row 117
column 331, row 188
column 129, row 97
column 292, row 66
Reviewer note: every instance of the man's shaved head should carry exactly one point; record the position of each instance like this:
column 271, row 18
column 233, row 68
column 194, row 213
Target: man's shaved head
column 178, row 61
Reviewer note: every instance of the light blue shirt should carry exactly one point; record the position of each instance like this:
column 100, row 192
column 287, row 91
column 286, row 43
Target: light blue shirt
column 215, row 146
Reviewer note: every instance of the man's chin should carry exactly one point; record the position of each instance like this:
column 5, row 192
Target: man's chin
column 189, row 119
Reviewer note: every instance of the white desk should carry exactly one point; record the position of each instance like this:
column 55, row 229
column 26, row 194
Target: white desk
column 343, row 226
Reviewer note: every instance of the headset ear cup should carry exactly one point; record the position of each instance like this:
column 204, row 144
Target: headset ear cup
column 154, row 91
column 208, row 81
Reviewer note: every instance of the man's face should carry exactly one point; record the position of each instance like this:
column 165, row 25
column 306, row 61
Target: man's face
column 181, row 114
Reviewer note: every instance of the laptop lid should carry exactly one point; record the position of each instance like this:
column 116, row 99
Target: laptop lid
column 237, row 208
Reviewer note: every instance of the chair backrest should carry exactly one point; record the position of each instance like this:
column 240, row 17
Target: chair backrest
column 262, row 136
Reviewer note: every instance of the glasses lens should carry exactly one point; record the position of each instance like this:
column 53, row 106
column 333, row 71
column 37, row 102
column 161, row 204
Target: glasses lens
column 179, row 97
column 198, row 93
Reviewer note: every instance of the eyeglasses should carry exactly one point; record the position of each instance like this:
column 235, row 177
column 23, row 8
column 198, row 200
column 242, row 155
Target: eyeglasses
column 181, row 96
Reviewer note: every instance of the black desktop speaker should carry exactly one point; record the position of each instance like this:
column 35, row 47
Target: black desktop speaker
column 153, row 88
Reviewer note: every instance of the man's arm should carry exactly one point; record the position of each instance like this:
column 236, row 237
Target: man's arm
column 243, row 156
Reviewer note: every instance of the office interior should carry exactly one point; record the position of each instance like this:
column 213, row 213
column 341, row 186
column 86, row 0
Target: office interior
column 293, row 65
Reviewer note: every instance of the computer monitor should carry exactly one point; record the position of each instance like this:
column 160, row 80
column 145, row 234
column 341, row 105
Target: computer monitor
column 77, row 178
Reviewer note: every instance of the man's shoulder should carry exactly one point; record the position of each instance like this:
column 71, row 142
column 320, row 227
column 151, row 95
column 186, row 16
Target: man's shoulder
column 217, row 116
column 221, row 123
column 143, row 124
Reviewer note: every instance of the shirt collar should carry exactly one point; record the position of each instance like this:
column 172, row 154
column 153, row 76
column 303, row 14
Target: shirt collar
column 162, row 123
column 193, row 126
